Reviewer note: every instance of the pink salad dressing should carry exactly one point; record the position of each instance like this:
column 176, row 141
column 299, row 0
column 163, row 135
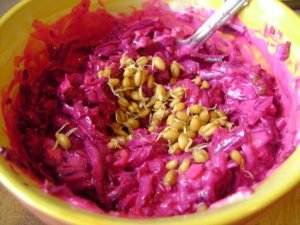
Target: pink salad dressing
column 59, row 84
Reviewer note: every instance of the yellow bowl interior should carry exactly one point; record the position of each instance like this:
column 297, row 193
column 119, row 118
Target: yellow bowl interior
column 15, row 27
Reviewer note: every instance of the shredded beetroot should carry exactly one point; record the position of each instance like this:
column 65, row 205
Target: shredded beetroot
column 60, row 84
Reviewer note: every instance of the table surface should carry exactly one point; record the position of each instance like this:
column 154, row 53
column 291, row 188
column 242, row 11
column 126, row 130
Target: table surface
column 285, row 212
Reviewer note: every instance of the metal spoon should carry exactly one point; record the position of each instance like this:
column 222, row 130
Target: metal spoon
column 214, row 22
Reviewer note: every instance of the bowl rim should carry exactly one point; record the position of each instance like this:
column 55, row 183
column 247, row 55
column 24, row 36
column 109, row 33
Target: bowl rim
column 67, row 214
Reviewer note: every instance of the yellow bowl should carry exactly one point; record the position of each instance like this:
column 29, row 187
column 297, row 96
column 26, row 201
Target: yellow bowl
column 15, row 27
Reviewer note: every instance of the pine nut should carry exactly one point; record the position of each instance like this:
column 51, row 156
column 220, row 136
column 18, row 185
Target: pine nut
column 159, row 63
column 170, row 178
column 200, row 156
column 172, row 164
column 175, row 69
column 184, row 166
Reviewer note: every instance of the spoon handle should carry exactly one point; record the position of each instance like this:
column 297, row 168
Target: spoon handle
column 215, row 21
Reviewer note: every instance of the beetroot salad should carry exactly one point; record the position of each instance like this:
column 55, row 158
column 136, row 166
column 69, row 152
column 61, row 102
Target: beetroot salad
column 113, row 115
